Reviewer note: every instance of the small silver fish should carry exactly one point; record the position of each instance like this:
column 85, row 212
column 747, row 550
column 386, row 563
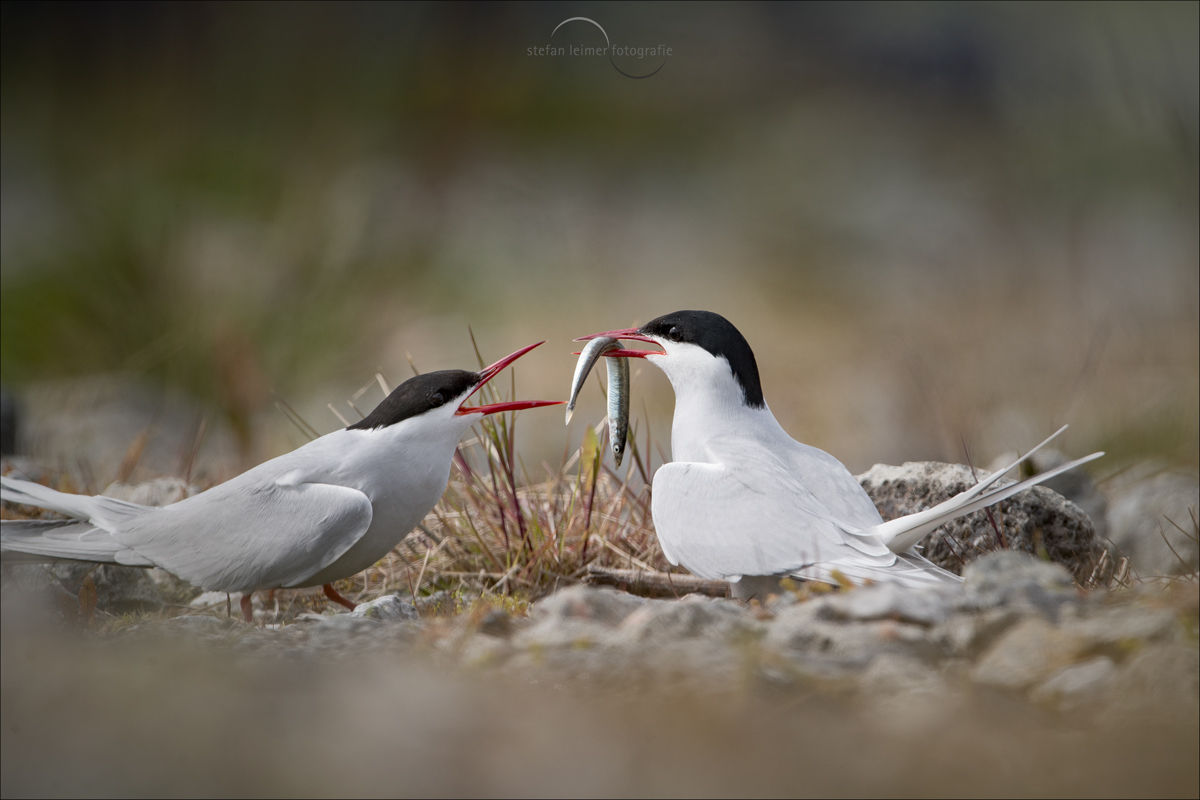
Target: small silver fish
column 587, row 359
column 618, row 390
column 618, row 405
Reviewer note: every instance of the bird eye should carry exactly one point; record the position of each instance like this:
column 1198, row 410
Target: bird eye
column 436, row 399
column 674, row 335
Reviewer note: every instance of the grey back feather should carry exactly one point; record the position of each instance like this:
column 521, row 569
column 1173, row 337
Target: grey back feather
column 242, row 536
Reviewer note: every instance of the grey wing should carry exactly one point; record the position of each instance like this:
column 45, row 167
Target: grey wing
column 832, row 484
column 725, row 523
column 239, row 537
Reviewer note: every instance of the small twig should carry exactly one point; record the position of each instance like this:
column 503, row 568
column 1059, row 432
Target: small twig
column 421, row 574
column 671, row 583
column 638, row 562
column 133, row 454
column 338, row 414
column 653, row 584
column 187, row 475
column 1167, row 542
column 297, row 420
column 1098, row 570
column 999, row 531
column 1122, row 572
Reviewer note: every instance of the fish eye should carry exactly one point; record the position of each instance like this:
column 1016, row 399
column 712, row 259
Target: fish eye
column 674, row 335
column 436, row 399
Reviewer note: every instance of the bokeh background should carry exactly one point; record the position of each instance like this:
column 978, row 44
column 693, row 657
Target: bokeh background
column 937, row 224
column 940, row 226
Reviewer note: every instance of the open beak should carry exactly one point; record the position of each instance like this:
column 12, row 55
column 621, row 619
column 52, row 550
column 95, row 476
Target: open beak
column 487, row 373
column 625, row 333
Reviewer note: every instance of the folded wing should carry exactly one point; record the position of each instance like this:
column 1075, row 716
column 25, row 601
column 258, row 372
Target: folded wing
column 721, row 522
column 257, row 536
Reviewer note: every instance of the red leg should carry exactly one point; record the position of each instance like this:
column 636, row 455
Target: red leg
column 333, row 595
column 247, row 608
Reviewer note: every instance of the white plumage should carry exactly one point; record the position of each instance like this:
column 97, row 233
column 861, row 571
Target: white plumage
column 742, row 498
column 330, row 508
column 320, row 513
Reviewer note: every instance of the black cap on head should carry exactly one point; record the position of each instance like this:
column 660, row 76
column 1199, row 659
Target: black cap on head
column 418, row 395
column 718, row 336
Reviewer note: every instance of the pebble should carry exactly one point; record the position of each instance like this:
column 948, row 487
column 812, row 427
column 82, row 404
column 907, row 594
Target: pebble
column 806, row 634
column 602, row 605
column 891, row 601
column 686, row 619
column 389, row 608
column 1014, row 579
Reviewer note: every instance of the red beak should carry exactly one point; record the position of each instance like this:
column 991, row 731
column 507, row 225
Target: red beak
column 487, row 373
column 627, row 353
column 625, row 333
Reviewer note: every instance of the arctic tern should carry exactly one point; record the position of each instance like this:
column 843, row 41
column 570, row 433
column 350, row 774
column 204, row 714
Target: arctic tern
column 320, row 513
column 745, row 502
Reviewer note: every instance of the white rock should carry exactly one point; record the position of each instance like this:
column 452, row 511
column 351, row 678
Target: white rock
column 667, row 621
column 601, row 605
column 890, row 601
column 389, row 608
column 211, row 600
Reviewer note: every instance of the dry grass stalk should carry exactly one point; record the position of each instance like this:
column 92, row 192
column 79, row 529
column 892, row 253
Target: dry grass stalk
column 494, row 532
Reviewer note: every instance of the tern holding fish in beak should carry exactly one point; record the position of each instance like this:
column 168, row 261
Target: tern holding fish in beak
column 618, row 390
column 745, row 502
column 323, row 512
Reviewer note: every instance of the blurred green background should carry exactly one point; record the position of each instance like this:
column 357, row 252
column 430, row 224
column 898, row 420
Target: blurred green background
column 935, row 223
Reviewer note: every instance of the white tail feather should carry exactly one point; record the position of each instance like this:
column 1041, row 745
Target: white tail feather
column 901, row 534
column 995, row 476
column 39, row 540
column 910, row 570
column 104, row 512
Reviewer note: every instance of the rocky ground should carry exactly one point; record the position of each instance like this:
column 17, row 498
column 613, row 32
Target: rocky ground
column 1017, row 624
column 1017, row 680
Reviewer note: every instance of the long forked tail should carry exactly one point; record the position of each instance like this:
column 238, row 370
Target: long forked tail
column 43, row 540
column 87, row 536
column 103, row 512
column 901, row 534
